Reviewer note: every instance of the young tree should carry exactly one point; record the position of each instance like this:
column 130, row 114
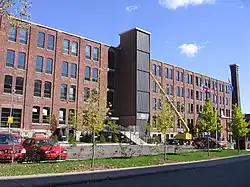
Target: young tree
column 239, row 126
column 15, row 8
column 208, row 121
column 53, row 124
column 93, row 118
column 164, row 120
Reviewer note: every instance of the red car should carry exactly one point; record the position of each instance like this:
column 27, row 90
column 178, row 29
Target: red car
column 10, row 148
column 43, row 149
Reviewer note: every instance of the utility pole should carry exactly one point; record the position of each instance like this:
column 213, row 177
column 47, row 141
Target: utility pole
column 10, row 118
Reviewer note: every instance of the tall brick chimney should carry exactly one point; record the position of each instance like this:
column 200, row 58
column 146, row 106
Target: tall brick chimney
column 235, row 83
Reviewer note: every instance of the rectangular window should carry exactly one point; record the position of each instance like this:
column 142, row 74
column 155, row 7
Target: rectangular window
column 62, row 116
column 40, row 39
column 73, row 70
column 154, row 87
column 95, row 75
column 17, row 116
column 66, row 44
column 47, row 89
column 12, row 34
column 63, row 95
column 171, row 90
column 19, row 85
column 197, row 95
column 166, row 73
column 88, row 52
column 177, row 75
column 21, row 60
column 188, row 93
column 51, row 42
column 10, row 59
column 37, row 88
column 23, row 35
column 86, row 94
column 49, row 66
column 8, row 80
column 65, row 69
column 74, row 50
column 39, row 64
column 170, row 74
column 36, row 114
column 96, row 54
column 72, row 93
column 182, row 92
column 46, row 115
column 167, row 89
column 87, row 73
column 154, row 103
column 181, row 76
column 158, row 71
column 154, row 69
column 192, row 94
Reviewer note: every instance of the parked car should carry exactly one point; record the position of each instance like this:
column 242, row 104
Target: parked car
column 41, row 148
column 11, row 148
column 202, row 143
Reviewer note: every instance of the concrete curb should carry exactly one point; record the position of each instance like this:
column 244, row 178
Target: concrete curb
column 50, row 180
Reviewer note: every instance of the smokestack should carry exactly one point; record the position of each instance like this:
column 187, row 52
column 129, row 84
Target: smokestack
column 235, row 83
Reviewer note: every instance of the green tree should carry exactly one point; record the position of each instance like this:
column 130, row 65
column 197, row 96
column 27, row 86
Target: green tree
column 208, row 120
column 102, row 138
column 164, row 120
column 53, row 124
column 15, row 9
column 238, row 125
column 92, row 118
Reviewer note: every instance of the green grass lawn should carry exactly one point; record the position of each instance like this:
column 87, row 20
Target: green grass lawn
column 84, row 165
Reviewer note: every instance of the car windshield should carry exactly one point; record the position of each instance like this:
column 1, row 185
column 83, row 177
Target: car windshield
column 7, row 138
column 46, row 142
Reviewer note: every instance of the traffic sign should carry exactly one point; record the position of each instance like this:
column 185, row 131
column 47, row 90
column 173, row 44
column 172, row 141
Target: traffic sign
column 10, row 119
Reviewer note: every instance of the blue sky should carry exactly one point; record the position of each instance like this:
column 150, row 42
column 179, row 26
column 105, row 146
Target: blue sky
column 201, row 35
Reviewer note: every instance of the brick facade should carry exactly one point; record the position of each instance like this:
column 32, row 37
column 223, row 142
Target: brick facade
column 190, row 103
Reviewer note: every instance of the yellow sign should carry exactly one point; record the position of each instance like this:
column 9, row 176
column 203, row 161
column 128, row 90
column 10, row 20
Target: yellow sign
column 10, row 119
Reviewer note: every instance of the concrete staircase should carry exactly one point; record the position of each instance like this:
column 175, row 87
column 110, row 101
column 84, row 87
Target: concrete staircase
column 134, row 137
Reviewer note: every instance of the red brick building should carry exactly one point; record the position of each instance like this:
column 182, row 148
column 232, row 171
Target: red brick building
column 49, row 72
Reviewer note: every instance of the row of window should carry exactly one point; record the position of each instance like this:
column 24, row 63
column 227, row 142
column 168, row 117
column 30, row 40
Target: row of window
column 19, row 85
column 45, row 117
column 12, row 36
column 156, row 69
column 190, row 107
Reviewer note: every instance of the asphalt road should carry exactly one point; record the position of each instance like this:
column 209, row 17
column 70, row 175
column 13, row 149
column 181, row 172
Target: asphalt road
column 231, row 175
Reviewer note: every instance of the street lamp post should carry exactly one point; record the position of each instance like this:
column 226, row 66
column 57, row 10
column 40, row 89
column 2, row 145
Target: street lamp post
column 11, row 108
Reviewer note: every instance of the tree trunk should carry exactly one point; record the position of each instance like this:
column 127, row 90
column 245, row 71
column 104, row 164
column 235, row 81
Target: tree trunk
column 208, row 152
column 93, row 151
column 238, row 144
column 165, row 149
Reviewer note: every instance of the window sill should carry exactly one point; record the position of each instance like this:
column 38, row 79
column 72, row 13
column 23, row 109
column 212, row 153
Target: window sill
column 11, row 41
column 42, row 48
column 43, row 124
column 50, row 50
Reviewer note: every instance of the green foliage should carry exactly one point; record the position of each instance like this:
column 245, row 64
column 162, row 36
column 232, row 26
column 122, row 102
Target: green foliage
column 164, row 116
column 93, row 115
column 102, row 138
column 208, row 121
column 72, row 140
column 239, row 126
column 54, row 137
column 72, row 119
column 115, row 138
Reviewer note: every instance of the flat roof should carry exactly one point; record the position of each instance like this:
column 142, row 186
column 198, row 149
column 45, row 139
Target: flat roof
column 136, row 28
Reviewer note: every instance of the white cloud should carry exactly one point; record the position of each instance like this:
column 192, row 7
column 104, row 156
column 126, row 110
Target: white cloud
column 131, row 8
column 174, row 4
column 190, row 50
column 242, row 6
